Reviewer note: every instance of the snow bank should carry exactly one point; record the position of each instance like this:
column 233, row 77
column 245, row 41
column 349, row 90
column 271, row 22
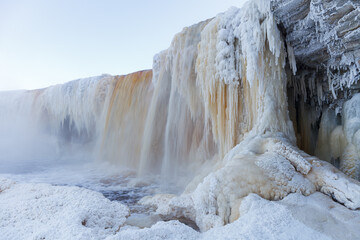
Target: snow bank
column 295, row 217
column 43, row 211
column 159, row 231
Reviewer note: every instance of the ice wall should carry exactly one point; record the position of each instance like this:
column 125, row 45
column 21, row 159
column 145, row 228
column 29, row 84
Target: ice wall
column 77, row 116
column 214, row 85
column 241, row 80
column 339, row 139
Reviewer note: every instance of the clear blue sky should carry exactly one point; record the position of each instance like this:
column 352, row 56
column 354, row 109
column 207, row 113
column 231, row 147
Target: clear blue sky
column 45, row 42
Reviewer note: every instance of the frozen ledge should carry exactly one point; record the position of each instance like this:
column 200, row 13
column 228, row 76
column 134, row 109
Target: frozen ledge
column 325, row 37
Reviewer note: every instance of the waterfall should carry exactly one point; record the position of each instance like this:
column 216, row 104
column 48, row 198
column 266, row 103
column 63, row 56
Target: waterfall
column 123, row 128
column 211, row 116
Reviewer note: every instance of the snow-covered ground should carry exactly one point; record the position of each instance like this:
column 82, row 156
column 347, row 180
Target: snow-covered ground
column 44, row 211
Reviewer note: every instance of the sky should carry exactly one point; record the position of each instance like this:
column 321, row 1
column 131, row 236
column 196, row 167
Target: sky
column 46, row 42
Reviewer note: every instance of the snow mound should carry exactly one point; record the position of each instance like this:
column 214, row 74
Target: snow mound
column 295, row 217
column 159, row 231
column 43, row 211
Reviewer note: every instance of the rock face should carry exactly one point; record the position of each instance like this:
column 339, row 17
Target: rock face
column 325, row 37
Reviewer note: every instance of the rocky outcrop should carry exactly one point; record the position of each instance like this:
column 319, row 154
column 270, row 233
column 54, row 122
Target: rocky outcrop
column 325, row 37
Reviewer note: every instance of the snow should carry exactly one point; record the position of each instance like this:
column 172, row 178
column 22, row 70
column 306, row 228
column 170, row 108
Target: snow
column 294, row 217
column 43, row 211
column 159, row 231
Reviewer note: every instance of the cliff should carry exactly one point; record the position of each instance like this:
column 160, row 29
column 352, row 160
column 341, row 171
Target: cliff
column 324, row 36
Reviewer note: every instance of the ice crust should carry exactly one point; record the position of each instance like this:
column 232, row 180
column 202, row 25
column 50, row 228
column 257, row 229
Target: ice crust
column 43, row 211
column 296, row 216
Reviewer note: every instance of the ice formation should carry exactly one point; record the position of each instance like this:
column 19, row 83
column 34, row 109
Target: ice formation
column 80, row 114
column 214, row 117
column 324, row 36
column 340, row 140
column 241, row 78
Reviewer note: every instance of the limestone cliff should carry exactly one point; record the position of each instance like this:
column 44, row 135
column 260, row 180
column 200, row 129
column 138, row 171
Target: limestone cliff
column 324, row 37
